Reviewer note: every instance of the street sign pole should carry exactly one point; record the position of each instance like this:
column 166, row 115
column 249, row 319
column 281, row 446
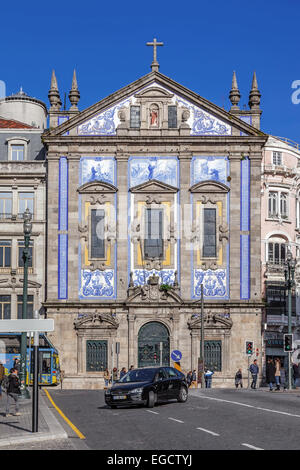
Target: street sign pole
column 35, row 391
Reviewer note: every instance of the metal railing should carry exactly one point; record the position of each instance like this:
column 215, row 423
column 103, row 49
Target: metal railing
column 288, row 141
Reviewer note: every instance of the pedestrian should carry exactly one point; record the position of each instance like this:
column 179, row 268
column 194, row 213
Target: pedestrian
column 296, row 374
column 208, row 377
column 2, row 373
column 114, row 375
column 238, row 380
column 254, row 369
column 194, row 379
column 277, row 373
column 270, row 373
column 189, row 378
column 283, row 376
column 16, row 364
column 13, row 392
column 131, row 368
column 123, row 372
column 106, row 378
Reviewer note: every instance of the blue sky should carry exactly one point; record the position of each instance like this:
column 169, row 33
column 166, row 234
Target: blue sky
column 203, row 43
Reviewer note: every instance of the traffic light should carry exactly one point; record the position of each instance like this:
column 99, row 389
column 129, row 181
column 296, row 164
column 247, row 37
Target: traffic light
column 288, row 342
column 249, row 347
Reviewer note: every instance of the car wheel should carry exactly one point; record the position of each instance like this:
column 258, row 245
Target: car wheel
column 183, row 395
column 151, row 400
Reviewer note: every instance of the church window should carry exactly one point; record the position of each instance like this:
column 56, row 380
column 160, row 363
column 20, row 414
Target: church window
column 209, row 233
column 172, row 117
column 135, row 121
column 277, row 158
column 213, row 355
column 5, row 307
column 154, row 233
column 97, row 234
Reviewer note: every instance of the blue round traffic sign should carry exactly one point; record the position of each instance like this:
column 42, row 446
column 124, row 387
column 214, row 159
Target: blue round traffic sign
column 176, row 355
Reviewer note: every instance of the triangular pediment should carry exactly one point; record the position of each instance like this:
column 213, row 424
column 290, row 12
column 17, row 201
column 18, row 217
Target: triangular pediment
column 154, row 186
column 97, row 187
column 209, row 187
column 205, row 118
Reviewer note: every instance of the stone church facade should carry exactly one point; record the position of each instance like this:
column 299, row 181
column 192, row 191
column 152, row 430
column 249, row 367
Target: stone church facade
column 153, row 193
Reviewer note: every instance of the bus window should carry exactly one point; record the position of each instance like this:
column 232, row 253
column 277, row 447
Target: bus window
column 46, row 362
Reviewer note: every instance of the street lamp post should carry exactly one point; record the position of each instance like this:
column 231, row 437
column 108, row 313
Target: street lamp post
column 289, row 273
column 27, row 225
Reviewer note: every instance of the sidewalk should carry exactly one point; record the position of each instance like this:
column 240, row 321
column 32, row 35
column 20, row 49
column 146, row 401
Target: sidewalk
column 17, row 429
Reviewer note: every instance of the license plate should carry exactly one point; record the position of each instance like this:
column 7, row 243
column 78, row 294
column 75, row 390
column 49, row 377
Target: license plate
column 120, row 397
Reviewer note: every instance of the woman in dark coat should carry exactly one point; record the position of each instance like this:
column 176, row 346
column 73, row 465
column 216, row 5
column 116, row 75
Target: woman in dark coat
column 270, row 373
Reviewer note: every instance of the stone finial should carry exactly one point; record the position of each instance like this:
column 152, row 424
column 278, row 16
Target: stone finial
column 53, row 94
column 74, row 95
column 254, row 96
column 234, row 94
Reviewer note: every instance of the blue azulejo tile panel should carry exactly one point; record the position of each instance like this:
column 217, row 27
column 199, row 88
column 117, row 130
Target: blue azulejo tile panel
column 63, row 194
column 97, row 169
column 245, row 267
column 142, row 169
column 62, row 266
column 209, row 168
column 245, row 194
column 141, row 276
column 104, row 123
column 248, row 120
column 215, row 283
column 97, row 284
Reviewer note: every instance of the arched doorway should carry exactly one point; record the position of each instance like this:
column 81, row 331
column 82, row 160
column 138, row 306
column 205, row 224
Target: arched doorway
column 153, row 345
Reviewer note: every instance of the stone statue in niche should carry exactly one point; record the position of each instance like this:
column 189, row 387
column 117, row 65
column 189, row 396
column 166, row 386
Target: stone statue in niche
column 154, row 116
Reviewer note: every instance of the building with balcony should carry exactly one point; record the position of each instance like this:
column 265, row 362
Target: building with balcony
column 22, row 186
column 280, row 225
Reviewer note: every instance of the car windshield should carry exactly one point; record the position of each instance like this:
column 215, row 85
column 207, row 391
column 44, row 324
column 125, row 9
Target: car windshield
column 138, row 375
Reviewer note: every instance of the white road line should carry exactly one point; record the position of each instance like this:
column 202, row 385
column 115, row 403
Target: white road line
column 177, row 420
column 209, row 432
column 251, row 406
column 252, row 447
column 154, row 412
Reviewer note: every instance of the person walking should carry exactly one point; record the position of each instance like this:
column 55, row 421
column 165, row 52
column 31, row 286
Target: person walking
column 106, row 378
column 2, row 373
column 13, row 392
column 16, row 364
column 208, row 377
column 254, row 369
column 189, row 378
column 238, row 380
column 270, row 373
column 114, row 375
column 296, row 375
column 277, row 373
column 123, row 372
column 194, row 379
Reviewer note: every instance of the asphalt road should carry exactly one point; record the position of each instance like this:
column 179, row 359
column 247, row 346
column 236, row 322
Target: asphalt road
column 210, row 420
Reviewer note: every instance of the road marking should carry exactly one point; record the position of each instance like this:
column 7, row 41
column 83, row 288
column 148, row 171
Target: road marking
column 177, row 420
column 154, row 412
column 252, row 447
column 209, row 432
column 79, row 434
column 251, row 406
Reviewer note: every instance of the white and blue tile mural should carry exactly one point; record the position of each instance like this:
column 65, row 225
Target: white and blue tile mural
column 63, row 190
column 166, row 276
column 97, row 169
column 215, row 283
column 201, row 122
column 96, row 284
column 245, row 227
column 209, row 168
column 142, row 169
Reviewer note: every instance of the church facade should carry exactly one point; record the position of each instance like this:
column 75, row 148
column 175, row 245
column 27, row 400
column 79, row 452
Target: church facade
column 153, row 196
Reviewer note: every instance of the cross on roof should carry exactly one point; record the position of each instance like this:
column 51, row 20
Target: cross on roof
column 155, row 64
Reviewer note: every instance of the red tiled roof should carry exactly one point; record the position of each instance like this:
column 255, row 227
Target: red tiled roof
column 12, row 124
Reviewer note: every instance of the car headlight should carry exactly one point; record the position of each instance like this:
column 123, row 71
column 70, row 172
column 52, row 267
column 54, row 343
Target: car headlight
column 136, row 390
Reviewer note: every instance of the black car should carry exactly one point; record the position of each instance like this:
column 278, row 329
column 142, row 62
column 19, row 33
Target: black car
column 147, row 386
